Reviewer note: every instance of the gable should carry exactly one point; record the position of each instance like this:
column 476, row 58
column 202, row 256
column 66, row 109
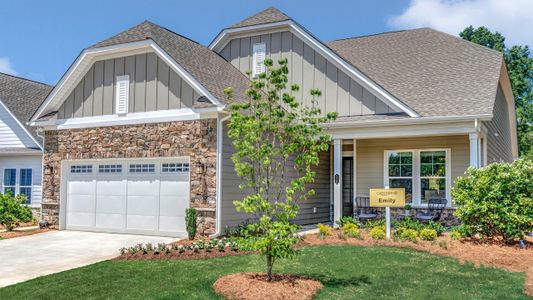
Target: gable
column 153, row 86
column 309, row 69
column 12, row 134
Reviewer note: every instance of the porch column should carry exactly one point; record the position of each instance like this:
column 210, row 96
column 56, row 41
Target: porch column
column 337, row 180
column 475, row 147
column 354, row 175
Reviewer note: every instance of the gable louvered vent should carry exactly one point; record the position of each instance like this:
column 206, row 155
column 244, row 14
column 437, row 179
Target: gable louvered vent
column 122, row 94
column 259, row 53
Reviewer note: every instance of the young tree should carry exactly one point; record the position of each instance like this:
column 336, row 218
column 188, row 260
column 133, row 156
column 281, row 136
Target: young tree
column 273, row 133
column 520, row 66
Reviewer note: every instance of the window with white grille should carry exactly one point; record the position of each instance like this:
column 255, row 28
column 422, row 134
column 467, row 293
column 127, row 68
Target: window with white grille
column 142, row 168
column 175, row 167
column 109, row 168
column 259, row 54
column 80, row 169
column 122, row 94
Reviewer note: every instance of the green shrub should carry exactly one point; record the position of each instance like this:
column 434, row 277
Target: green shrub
column 351, row 230
column 463, row 230
column 191, row 222
column 497, row 200
column 438, row 227
column 455, row 235
column 409, row 235
column 371, row 224
column 428, row 234
column 12, row 211
column 323, row 230
column 406, row 224
column 378, row 233
column 347, row 220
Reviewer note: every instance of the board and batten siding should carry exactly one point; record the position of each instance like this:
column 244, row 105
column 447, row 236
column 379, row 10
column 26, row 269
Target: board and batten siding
column 12, row 135
column 309, row 70
column 313, row 210
column 370, row 156
column 499, row 132
column 153, row 86
column 33, row 162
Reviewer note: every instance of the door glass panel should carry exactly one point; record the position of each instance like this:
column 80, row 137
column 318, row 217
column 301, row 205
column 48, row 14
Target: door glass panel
column 347, row 186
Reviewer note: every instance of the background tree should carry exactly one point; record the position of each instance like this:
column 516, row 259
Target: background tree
column 275, row 135
column 520, row 66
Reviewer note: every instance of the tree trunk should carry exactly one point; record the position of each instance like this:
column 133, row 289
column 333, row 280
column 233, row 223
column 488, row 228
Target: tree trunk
column 270, row 263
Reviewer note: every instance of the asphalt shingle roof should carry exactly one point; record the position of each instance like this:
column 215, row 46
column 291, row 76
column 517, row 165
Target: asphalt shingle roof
column 22, row 97
column 434, row 73
column 269, row 15
column 206, row 66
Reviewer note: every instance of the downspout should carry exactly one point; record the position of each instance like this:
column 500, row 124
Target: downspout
column 220, row 138
column 38, row 131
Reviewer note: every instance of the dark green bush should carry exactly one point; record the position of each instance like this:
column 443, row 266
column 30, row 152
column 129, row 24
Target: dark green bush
column 12, row 211
column 191, row 223
column 347, row 220
column 496, row 201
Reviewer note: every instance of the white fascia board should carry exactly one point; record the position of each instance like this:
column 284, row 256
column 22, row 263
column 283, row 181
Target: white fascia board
column 21, row 125
column 408, row 121
column 88, row 56
column 185, row 114
column 222, row 39
column 408, row 130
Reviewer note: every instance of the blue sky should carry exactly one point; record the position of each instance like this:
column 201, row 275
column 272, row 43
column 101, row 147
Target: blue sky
column 40, row 39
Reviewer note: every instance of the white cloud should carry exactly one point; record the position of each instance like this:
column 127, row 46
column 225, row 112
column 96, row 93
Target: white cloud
column 512, row 18
column 5, row 66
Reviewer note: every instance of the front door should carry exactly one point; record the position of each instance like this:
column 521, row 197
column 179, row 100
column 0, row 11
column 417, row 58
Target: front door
column 347, row 186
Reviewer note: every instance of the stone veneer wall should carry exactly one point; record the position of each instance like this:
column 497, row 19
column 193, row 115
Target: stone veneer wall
column 196, row 139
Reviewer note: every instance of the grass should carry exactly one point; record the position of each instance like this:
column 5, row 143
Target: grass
column 347, row 272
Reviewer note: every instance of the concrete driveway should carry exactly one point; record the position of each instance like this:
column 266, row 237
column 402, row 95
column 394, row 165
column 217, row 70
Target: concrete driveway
column 27, row 257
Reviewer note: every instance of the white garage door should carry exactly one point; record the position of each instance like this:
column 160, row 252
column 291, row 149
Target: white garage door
column 140, row 196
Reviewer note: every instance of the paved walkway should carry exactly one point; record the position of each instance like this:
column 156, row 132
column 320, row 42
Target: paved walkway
column 28, row 257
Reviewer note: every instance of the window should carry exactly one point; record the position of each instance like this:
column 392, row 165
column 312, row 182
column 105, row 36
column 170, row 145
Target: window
column 122, row 94
column 109, row 168
column 10, row 181
column 259, row 54
column 400, row 172
column 423, row 173
column 142, row 168
column 25, row 184
column 432, row 175
column 21, row 187
column 174, row 167
column 81, row 169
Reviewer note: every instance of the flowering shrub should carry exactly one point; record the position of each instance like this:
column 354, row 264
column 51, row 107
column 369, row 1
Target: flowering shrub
column 409, row 235
column 428, row 234
column 378, row 233
column 323, row 230
column 497, row 200
column 12, row 211
column 351, row 230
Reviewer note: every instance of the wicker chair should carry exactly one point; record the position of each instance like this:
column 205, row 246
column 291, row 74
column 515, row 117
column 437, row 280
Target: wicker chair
column 363, row 211
column 435, row 208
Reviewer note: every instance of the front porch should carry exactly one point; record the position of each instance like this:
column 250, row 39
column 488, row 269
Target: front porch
column 425, row 165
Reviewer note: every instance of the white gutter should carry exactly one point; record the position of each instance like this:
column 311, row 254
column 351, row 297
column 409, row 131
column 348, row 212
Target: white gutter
column 220, row 138
column 407, row 121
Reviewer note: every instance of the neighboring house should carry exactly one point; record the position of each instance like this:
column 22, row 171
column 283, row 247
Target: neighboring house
column 135, row 129
column 21, row 151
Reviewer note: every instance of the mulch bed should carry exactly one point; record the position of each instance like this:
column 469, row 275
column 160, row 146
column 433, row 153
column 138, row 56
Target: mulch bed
column 489, row 253
column 254, row 286
column 19, row 233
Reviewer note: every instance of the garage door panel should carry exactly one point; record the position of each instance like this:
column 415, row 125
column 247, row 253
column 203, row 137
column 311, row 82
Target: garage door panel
column 170, row 188
column 111, row 187
column 173, row 205
column 142, row 205
column 141, row 222
column 81, row 203
column 81, row 219
column 111, row 204
column 172, row 224
column 117, row 221
column 81, row 187
column 143, row 187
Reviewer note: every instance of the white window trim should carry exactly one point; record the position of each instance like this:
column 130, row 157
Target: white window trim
column 17, row 185
column 258, row 48
column 417, row 198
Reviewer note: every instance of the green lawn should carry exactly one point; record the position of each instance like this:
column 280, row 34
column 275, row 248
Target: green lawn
column 348, row 272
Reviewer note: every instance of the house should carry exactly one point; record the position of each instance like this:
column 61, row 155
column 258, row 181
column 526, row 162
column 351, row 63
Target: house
column 135, row 131
column 21, row 149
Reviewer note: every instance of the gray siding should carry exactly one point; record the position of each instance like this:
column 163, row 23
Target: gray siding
column 499, row 132
column 230, row 191
column 153, row 86
column 308, row 69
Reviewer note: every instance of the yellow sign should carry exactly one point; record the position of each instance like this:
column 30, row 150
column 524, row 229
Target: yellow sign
column 387, row 197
